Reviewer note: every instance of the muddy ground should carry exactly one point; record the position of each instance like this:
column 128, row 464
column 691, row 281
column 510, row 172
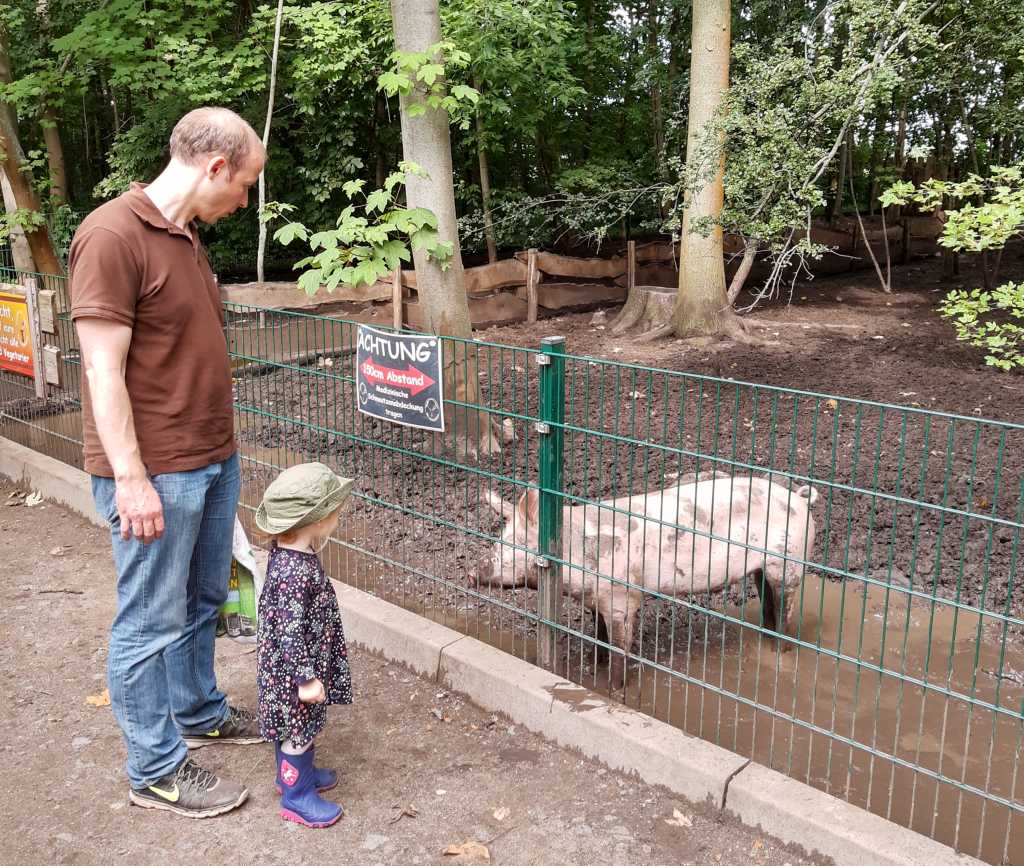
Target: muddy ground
column 469, row 776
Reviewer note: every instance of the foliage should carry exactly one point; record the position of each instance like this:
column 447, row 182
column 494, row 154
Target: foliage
column 1001, row 334
column 565, row 115
column 426, row 71
column 992, row 213
column 370, row 239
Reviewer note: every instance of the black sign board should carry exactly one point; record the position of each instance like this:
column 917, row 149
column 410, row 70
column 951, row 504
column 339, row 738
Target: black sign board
column 398, row 378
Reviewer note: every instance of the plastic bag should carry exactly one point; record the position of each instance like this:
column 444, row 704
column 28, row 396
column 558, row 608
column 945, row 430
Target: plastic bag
column 237, row 617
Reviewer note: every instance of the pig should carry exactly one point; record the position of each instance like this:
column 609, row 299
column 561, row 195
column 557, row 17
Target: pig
column 645, row 542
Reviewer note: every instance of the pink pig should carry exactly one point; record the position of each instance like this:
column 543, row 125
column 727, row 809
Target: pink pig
column 702, row 535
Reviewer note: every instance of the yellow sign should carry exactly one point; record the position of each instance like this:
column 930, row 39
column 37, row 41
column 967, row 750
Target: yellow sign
column 15, row 335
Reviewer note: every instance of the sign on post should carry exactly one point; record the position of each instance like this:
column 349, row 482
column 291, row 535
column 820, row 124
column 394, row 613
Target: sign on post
column 399, row 379
column 16, row 353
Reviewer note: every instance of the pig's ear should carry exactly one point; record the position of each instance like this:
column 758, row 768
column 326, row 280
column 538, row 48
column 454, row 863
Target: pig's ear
column 528, row 506
column 505, row 509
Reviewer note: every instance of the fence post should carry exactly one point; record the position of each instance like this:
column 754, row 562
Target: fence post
column 550, row 453
column 35, row 334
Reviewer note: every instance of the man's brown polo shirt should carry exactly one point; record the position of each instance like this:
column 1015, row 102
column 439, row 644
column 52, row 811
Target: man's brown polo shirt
column 130, row 265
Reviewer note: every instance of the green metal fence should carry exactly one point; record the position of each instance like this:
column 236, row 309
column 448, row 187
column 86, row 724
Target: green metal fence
column 898, row 681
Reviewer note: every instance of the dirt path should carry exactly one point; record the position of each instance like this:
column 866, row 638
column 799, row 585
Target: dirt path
column 469, row 776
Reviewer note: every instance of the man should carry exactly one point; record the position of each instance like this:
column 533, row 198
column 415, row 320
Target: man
column 159, row 444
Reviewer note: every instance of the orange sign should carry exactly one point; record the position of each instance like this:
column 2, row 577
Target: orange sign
column 15, row 335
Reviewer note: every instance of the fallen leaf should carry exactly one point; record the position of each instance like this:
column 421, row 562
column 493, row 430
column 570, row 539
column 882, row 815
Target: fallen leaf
column 637, row 395
column 33, row 499
column 468, row 850
column 756, row 848
column 409, row 811
column 502, row 813
column 678, row 819
column 832, row 404
column 100, row 700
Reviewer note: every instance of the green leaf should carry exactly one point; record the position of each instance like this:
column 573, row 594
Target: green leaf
column 350, row 188
column 423, row 239
column 309, row 282
column 288, row 232
column 377, row 200
column 392, row 180
column 428, row 73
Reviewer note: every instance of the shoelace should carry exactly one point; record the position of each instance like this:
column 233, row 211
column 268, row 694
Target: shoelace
column 237, row 714
column 192, row 774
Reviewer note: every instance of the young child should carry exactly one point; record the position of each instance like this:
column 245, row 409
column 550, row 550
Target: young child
column 302, row 659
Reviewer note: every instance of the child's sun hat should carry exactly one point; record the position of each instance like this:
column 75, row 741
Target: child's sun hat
column 299, row 496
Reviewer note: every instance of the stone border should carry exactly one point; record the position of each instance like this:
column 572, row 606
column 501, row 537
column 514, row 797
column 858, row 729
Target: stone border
column 574, row 717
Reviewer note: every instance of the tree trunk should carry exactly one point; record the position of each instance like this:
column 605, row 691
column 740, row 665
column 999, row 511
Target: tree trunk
column 657, row 122
column 876, row 151
column 55, row 158
column 379, row 123
column 261, row 248
column 702, row 306
column 837, row 202
column 441, row 292
column 20, row 250
column 25, row 198
column 485, row 185
column 739, row 279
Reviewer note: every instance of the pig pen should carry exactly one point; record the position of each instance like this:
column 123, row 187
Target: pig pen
column 902, row 685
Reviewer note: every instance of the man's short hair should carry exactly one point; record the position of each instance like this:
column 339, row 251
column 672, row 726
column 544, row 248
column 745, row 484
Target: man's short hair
column 206, row 131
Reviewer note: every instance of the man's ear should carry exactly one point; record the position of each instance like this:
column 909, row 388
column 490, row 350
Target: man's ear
column 216, row 166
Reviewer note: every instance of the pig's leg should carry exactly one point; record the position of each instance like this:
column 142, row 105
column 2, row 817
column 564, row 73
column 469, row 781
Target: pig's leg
column 623, row 621
column 602, row 635
column 785, row 595
column 766, row 593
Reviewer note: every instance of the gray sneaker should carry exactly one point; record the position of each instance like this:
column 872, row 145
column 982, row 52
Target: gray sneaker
column 191, row 791
column 240, row 728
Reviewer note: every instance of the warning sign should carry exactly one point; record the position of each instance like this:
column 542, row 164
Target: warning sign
column 398, row 378
column 15, row 335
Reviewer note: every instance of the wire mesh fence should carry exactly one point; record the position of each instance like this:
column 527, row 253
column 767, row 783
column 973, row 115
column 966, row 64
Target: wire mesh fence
column 828, row 586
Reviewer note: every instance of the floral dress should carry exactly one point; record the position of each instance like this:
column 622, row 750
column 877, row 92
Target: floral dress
column 300, row 638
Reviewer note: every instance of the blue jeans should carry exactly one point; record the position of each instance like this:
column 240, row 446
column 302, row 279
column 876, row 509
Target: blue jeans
column 160, row 663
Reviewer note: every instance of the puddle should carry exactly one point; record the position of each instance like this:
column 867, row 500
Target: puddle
column 930, row 644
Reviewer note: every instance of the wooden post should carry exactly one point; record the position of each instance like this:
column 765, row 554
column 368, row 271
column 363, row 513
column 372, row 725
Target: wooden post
column 396, row 297
column 630, row 265
column 905, row 248
column 531, row 285
column 36, row 337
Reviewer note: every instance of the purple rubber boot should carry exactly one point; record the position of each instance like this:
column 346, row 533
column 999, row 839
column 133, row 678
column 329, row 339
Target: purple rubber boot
column 300, row 801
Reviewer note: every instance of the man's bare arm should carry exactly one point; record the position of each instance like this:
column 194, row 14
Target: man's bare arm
column 104, row 346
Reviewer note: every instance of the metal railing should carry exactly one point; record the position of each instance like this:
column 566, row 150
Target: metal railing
column 882, row 662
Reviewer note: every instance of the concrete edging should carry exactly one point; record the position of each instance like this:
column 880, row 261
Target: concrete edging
column 575, row 717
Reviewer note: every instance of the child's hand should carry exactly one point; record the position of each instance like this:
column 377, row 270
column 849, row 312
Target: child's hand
column 312, row 692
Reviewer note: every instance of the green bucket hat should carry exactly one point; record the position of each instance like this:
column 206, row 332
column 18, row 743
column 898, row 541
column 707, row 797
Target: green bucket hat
column 300, row 496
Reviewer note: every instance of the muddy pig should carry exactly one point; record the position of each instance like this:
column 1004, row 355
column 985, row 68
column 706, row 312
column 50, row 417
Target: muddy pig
column 701, row 535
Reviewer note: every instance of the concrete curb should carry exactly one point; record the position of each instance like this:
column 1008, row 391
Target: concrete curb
column 574, row 717
column 56, row 481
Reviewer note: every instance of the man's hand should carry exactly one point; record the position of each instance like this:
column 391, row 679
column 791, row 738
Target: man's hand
column 312, row 692
column 140, row 510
